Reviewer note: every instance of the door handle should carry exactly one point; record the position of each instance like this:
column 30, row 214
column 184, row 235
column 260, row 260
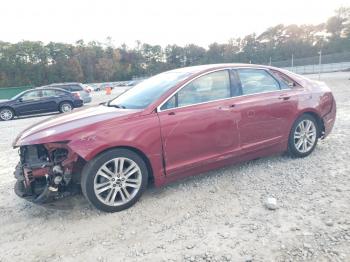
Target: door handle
column 171, row 113
column 226, row 108
column 284, row 97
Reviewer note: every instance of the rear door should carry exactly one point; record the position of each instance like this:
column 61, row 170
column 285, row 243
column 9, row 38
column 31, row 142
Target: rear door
column 50, row 100
column 266, row 109
column 197, row 123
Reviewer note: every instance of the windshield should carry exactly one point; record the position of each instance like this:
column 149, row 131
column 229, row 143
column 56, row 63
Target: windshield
column 18, row 95
column 148, row 91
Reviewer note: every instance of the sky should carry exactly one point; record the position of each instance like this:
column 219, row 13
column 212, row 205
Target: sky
column 155, row 22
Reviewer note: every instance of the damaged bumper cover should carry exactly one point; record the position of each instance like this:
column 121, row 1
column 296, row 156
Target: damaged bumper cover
column 47, row 172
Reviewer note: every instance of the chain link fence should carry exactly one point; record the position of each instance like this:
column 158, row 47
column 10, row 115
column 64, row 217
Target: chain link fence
column 316, row 64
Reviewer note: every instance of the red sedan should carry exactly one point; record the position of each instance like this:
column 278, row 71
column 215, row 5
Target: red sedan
column 173, row 125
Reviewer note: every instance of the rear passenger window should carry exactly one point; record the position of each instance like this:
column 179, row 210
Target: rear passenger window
column 286, row 82
column 255, row 81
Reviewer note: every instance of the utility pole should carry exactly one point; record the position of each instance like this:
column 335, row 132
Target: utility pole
column 293, row 62
column 270, row 61
column 319, row 64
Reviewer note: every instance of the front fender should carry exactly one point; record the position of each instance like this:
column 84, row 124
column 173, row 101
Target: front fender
column 142, row 134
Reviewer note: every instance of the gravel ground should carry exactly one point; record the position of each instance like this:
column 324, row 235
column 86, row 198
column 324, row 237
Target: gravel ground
column 218, row 216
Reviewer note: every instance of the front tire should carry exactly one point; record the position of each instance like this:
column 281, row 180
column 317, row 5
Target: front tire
column 303, row 136
column 6, row 114
column 114, row 180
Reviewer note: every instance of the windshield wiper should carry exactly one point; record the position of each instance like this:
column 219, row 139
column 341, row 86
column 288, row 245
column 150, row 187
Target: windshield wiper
column 116, row 106
column 108, row 103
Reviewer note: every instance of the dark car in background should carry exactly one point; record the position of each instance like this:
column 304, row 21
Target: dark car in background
column 37, row 101
column 76, row 88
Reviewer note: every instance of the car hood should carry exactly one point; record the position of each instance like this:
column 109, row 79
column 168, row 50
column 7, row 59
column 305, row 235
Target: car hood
column 4, row 101
column 69, row 125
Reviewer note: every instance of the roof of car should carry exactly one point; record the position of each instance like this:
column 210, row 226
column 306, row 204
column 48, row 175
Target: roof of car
column 64, row 84
column 200, row 68
column 49, row 88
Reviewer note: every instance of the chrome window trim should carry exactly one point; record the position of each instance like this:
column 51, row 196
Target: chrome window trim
column 216, row 70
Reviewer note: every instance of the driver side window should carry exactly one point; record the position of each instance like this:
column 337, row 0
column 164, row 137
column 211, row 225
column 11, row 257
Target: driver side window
column 32, row 95
column 210, row 87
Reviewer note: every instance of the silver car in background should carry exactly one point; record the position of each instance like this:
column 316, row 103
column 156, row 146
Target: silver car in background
column 77, row 88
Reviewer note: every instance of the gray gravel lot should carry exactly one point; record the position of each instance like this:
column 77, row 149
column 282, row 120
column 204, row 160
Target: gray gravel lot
column 218, row 216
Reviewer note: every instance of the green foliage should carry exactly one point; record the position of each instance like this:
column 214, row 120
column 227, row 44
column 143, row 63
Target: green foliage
column 34, row 63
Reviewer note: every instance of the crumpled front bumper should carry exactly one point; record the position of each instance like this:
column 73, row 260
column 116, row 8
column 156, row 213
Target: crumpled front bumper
column 44, row 172
column 25, row 189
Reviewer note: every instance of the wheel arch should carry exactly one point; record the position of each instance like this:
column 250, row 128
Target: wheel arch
column 318, row 118
column 65, row 101
column 9, row 107
column 137, row 151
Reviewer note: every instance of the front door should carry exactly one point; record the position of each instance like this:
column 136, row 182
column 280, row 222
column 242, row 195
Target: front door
column 30, row 103
column 198, row 123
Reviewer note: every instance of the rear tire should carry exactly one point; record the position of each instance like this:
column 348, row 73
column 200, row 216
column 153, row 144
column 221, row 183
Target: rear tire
column 6, row 114
column 114, row 180
column 65, row 107
column 303, row 136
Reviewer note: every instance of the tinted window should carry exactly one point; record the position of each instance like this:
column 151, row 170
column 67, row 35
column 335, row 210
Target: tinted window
column 148, row 91
column 206, row 88
column 256, row 81
column 31, row 95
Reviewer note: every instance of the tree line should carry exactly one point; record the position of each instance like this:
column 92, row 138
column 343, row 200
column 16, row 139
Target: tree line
column 35, row 63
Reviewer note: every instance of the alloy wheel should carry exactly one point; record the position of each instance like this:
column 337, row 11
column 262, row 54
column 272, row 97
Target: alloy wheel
column 305, row 136
column 117, row 181
column 6, row 114
column 66, row 107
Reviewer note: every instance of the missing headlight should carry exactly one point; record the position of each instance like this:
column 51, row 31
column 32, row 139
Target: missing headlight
column 59, row 155
column 34, row 155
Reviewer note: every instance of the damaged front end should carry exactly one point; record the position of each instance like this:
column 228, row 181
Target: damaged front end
column 47, row 172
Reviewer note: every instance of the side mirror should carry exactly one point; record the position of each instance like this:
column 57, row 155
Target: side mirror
column 291, row 84
column 20, row 99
